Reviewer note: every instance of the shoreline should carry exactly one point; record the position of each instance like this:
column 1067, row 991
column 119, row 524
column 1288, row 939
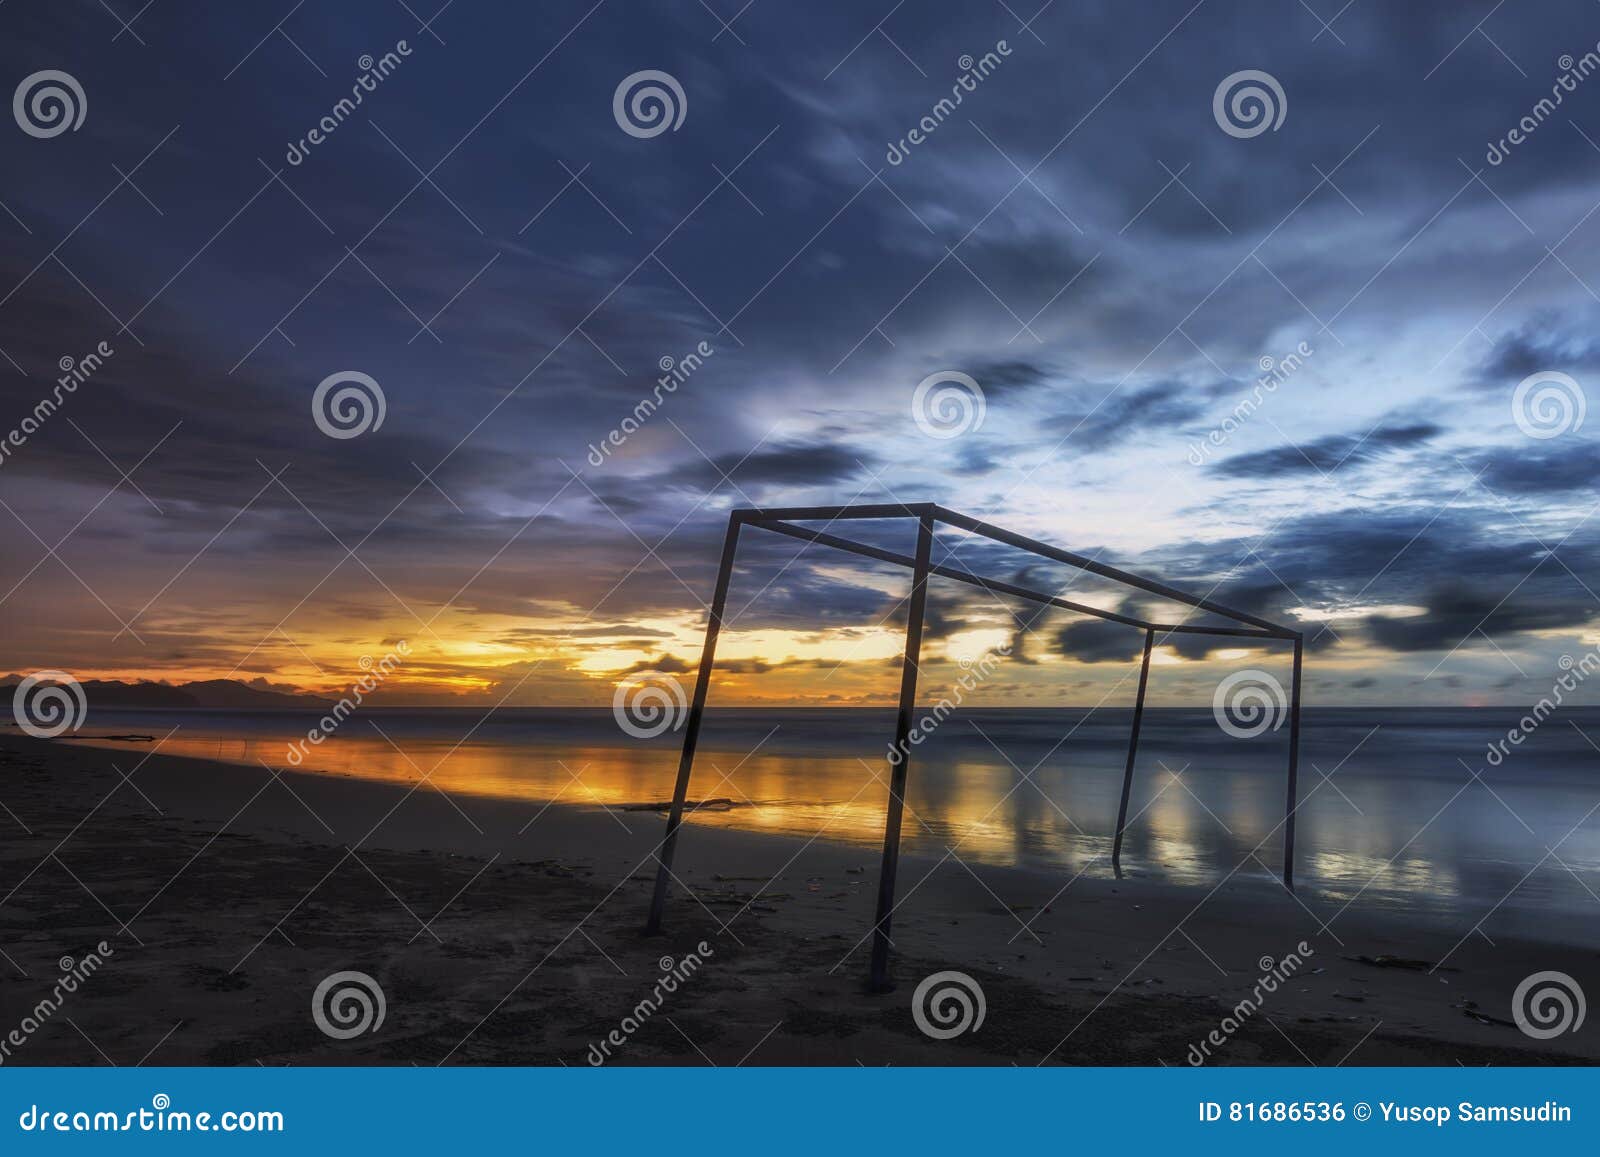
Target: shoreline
column 508, row 932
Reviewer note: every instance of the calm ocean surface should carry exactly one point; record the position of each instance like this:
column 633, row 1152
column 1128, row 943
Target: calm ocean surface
column 1391, row 817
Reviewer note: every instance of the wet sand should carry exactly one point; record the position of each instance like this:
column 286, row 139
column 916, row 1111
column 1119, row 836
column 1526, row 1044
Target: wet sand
column 506, row 932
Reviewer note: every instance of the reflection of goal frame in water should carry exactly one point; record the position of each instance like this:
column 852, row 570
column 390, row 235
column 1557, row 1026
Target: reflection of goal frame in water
column 781, row 521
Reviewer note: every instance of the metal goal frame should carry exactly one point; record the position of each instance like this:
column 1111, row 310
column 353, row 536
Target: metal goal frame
column 781, row 520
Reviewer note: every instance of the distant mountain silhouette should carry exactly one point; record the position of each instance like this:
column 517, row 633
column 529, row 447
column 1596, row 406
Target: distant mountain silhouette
column 223, row 693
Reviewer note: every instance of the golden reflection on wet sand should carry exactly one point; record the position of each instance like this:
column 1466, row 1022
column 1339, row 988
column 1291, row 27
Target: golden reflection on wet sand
column 1187, row 825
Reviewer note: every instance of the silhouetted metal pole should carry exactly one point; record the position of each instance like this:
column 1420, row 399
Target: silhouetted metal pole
column 879, row 981
column 691, row 729
column 1294, row 767
column 1133, row 752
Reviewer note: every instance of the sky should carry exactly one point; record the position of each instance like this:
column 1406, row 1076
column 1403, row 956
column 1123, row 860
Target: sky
column 1329, row 366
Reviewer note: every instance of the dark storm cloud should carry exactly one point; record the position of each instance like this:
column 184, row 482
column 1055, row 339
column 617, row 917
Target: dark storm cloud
column 1099, row 641
column 1542, row 469
column 1091, row 640
column 1515, row 583
column 1002, row 378
column 1126, row 414
column 1354, row 558
column 973, row 459
column 666, row 664
column 1327, row 454
column 1554, row 343
column 1456, row 611
column 796, row 465
column 1021, row 647
column 946, row 613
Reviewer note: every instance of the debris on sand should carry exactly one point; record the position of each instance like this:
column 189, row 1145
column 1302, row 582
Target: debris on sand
column 1469, row 1008
column 743, row 899
column 549, row 867
column 720, row 804
column 1402, row 962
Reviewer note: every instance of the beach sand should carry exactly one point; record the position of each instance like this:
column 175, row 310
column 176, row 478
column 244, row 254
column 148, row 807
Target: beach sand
column 504, row 932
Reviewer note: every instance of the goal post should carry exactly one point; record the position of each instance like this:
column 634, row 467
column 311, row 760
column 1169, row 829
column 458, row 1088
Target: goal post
column 928, row 517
